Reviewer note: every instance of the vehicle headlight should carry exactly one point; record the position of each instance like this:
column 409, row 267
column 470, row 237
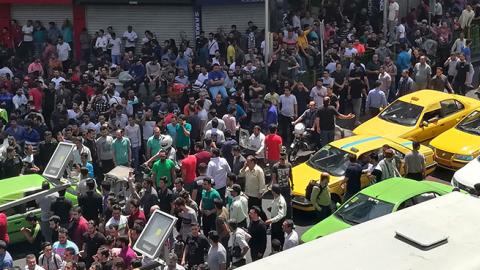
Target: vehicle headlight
column 463, row 157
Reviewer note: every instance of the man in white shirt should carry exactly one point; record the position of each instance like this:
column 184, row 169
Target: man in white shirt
column 218, row 169
column 214, row 133
column 350, row 51
column 57, row 79
column 202, row 77
column 239, row 208
column 212, row 45
column 257, row 142
column 401, row 36
column 291, row 236
column 318, row 92
column 393, row 9
column 288, row 113
column 132, row 131
column 130, row 38
column 115, row 45
column 102, row 42
column 27, row 44
column 63, row 50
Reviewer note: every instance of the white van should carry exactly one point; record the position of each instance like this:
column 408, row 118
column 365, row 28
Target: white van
column 438, row 234
column 467, row 177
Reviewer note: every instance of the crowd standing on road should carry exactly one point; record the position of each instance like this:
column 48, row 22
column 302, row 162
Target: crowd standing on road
column 178, row 109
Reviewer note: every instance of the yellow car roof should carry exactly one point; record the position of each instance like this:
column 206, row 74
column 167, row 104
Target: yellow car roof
column 426, row 97
column 359, row 144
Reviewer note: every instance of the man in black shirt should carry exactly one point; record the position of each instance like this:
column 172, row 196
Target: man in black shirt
column 61, row 207
column 46, row 149
column 282, row 175
column 13, row 164
column 258, row 232
column 196, row 248
column 353, row 174
column 358, row 87
column 165, row 195
column 92, row 241
column 459, row 81
column 325, row 121
column 91, row 202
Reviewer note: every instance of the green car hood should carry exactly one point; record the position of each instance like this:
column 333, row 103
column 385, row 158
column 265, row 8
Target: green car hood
column 327, row 226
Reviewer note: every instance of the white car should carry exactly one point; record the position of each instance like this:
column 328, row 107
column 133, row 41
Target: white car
column 467, row 177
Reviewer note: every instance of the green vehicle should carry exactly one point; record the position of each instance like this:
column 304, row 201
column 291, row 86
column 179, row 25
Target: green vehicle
column 15, row 188
column 383, row 198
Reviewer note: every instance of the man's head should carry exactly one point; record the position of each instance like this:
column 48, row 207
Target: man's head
column 288, row 226
column 207, row 183
column 62, row 235
column 31, row 261
column 54, row 222
column 116, row 211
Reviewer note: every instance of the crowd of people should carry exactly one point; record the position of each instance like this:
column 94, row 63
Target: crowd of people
column 174, row 113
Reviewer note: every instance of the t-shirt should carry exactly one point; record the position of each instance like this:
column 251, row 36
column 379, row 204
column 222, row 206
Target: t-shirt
column 283, row 174
column 60, row 248
column 182, row 140
column 216, row 256
column 197, row 248
column 393, row 8
column 288, row 105
column 131, row 38
column 63, row 51
column 327, row 117
column 216, row 75
column 154, row 144
column 272, row 142
column 163, row 168
column 208, row 197
column 121, row 146
column 190, row 165
column 353, row 173
column 116, row 46
column 27, row 31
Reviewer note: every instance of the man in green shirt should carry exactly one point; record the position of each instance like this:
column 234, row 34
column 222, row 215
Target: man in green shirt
column 207, row 206
column 154, row 143
column 183, row 133
column 163, row 167
column 122, row 152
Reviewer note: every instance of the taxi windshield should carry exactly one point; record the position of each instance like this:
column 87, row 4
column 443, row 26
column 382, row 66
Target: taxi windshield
column 471, row 123
column 330, row 159
column 402, row 113
column 362, row 208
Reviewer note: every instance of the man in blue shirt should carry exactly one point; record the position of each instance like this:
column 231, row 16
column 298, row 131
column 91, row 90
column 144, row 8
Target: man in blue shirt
column 16, row 131
column 272, row 114
column 6, row 260
column 216, row 80
column 182, row 62
column 403, row 58
column 240, row 112
column 376, row 99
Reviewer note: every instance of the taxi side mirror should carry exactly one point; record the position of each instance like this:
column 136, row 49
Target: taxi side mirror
column 424, row 124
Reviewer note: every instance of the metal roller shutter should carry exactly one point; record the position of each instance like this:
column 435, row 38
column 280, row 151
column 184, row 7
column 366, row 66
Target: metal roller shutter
column 43, row 13
column 164, row 22
column 224, row 16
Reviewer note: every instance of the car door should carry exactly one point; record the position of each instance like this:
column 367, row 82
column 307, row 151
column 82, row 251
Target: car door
column 16, row 217
column 423, row 197
column 451, row 112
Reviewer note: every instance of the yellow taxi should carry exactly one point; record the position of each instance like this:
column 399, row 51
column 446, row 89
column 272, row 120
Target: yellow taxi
column 419, row 116
column 459, row 145
column 333, row 159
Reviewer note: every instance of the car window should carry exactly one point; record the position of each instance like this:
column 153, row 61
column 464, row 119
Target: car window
column 459, row 105
column 406, row 204
column 449, row 106
column 424, row 197
column 429, row 116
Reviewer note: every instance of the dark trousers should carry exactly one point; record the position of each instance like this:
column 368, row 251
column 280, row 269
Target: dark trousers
column 415, row 176
column 239, row 263
column 252, row 201
column 208, row 223
column 373, row 111
column 222, row 191
column 277, row 231
column 324, row 212
column 287, row 195
column 256, row 253
column 459, row 88
column 285, row 128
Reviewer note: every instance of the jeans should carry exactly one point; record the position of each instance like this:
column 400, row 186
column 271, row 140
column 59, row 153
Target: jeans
column 357, row 106
column 327, row 136
column 38, row 48
column 214, row 90
column 116, row 59
column 136, row 157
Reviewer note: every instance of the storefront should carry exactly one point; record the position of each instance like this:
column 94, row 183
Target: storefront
column 224, row 13
column 165, row 19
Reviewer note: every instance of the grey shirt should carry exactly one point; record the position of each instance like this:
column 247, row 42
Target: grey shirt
column 216, row 256
column 415, row 162
column 105, row 148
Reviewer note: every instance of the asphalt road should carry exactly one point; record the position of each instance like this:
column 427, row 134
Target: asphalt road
column 303, row 221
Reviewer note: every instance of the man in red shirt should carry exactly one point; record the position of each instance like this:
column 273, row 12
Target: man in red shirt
column 36, row 95
column 78, row 226
column 3, row 228
column 189, row 168
column 136, row 215
column 273, row 145
column 202, row 155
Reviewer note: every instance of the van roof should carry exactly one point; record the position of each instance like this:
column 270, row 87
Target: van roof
column 374, row 245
